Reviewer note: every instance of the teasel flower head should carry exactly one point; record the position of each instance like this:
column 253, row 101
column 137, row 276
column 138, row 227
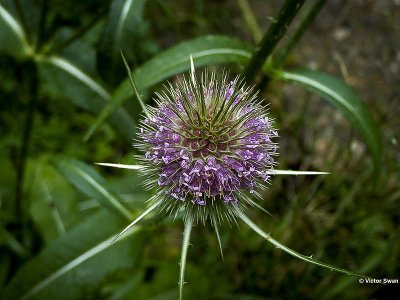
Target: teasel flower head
column 208, row 145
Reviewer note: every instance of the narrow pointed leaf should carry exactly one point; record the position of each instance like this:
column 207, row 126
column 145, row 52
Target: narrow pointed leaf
column 125, row 30
column 192, row 70
column 132, row 82
column 91, row 183
column 77, row 261
column 125, row 26
column 73, row 83
column 373, row 261
column 12, row 36
column 291, row 172
column 215, row 224
column 80, row 75
column 344, row 98
column 185, row 247
column 277, row 244
column 121, row 166
column 204, row 50
column 134, row 222
column 124, row 16
column 8, row 239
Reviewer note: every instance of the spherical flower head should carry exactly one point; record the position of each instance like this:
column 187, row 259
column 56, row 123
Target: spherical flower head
column 208, row 145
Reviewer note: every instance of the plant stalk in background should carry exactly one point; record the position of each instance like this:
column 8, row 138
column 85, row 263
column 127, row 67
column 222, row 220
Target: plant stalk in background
column 20, row 206
column 306, row 21
column 272, row 37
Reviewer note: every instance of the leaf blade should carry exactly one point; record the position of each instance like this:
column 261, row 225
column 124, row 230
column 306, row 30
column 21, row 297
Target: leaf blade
column 295, row 173
column 70, row 252
column 125, row 18
column 7, row 21
column 290, row 251
column 74, row 71
column 343, row 97
column 88, row 181
column 83, row 90
column 205, row 50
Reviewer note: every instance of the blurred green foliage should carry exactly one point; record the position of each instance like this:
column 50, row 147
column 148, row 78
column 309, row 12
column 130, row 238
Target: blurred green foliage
column 65, row 103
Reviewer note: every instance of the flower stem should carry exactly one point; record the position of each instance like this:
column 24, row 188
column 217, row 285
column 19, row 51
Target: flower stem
column 271, row 38
column 185, row 246
column 26, row 137
column 295, row 38
column 277, row 244
column 57, row 48
column 250, row 19
column 44, row 7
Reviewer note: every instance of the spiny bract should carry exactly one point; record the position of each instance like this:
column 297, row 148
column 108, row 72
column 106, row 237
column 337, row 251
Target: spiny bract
column 208, row 144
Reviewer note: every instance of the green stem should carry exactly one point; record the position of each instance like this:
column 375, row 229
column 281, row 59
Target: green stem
column 250, row 19
column 185, row 246
column 82, row 31
column 305, row 23
column 26, row 136
column 42, row 24
column 271, row 38
column 13, row 243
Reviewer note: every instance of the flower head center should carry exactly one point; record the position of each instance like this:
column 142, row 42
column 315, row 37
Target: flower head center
column 207, row 140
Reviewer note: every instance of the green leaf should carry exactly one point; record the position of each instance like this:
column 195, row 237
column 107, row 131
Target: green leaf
column 126, row 30
column 77, row 262
column 63, row 78
column 128, row 288
column 54, row 205
column 290, row 251
column 12, row 37
column 205, row 50
column 374, row 260
column 80, row 75
column 5, row 267
column 125, row 16
column 92, row 184
column 343, row 97
column 8, row 239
